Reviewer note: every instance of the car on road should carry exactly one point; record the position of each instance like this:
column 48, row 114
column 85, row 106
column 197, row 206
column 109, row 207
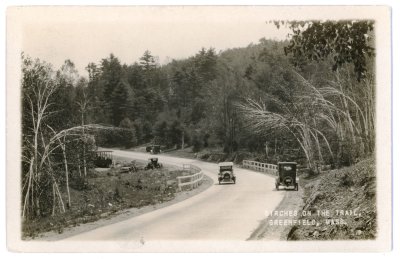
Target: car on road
column 225, row 173
column 287, row 175
column 153, row 163
column 156, row 149
column 153, row 149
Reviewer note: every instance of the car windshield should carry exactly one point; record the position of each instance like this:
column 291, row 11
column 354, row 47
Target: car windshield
column 287, row 168
column 225, row 167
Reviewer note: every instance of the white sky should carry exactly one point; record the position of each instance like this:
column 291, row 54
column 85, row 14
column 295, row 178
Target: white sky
column 87, row 35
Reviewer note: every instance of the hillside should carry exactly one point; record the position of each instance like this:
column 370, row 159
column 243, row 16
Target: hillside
column 352, row 190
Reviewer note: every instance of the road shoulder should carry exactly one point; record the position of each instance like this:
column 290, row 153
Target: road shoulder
column 124, row 214
column 292, row 201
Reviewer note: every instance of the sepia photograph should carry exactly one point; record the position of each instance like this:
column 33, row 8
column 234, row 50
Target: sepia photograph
column 199, row 128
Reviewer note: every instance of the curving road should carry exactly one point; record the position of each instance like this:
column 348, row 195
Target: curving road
column 222, row 212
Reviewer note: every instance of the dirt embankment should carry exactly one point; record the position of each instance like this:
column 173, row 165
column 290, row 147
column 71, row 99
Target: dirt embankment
column 346, row 198
column 335, row 205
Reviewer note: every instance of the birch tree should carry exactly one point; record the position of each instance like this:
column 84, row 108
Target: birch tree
column 300, row 116
column 37, row 88
column 41, row 176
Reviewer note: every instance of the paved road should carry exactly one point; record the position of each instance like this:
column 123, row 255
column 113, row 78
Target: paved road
column 222, row 212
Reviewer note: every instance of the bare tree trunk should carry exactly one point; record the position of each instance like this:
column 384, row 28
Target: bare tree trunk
column 84, row 163
column 183, row 139
column 370, row 116
column 28, row 189
column 54, row 201
column 84, row 146
column 66, row 173
column 317, row 143
column 346, row 109
column 303, row 145
column 35, row 203
column 79, row 165
column 62, row 208
column 307, row 144
column 56, row 189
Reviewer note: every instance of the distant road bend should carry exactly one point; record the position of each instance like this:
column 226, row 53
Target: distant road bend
column 222, row 212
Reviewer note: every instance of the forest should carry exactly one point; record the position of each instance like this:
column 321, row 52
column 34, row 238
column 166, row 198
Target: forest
column 310, row 98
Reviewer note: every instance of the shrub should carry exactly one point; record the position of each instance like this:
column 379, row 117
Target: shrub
column 197, row 143
column 346, row 180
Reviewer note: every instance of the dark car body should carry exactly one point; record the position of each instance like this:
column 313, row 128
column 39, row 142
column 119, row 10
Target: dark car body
column 225, row 173
column 287, row 175
column 153, row 164
column 154, row 149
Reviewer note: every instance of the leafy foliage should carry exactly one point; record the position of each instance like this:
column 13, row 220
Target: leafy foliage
column 346, row 41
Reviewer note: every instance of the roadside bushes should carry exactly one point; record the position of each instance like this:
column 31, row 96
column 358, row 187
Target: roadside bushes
column 120, row 137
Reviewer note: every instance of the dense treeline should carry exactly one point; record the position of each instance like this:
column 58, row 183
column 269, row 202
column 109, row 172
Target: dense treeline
column 283, row 98
column 186, row 102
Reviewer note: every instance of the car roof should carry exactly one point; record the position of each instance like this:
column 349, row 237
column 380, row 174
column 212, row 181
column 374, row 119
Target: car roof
column 225, row 164
column 287, row 163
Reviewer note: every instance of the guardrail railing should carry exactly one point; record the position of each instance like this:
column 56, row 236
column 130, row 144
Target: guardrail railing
column 190, row 181
column 262, row 167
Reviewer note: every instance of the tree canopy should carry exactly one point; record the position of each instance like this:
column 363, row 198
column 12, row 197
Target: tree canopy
column 345, row 41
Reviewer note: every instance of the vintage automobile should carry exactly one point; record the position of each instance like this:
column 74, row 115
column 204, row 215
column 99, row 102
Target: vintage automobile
column 226, row 173
column 153, row 163
column 287, row 175
column 153, row 149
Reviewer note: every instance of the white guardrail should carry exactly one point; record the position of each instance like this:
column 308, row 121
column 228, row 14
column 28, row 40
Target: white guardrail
column 262, row 167
column 191, row 181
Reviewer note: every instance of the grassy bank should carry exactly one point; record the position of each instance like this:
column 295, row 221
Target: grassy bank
column 106, row 193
